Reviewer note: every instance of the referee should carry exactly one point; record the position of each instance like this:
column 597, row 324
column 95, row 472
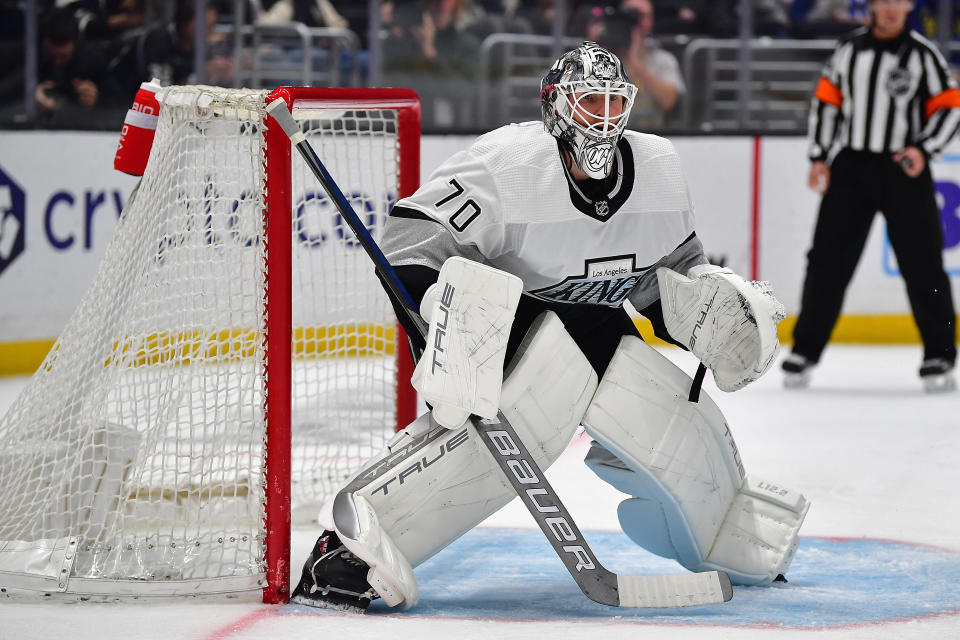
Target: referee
column 886, row 103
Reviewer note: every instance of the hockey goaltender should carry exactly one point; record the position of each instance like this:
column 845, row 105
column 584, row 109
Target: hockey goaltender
column 524, row 249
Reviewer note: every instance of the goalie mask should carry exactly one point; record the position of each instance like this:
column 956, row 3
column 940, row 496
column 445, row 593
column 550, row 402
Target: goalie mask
column 585, row 101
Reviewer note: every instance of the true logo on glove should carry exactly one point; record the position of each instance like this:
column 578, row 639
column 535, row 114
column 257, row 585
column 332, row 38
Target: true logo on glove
column 701, row 319
column 445, row 300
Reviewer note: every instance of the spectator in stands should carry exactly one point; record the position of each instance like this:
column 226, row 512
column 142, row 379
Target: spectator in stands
column 830, row 18
column 313, row 13
column 168, row 54
column 682, row 17
column 540, row 15
column 108, row 19
column 655, row 71
column 70, row 76
column 11, row 52
column 770, row 18
column 489, row 17
column 426, row 50
column 593, row 23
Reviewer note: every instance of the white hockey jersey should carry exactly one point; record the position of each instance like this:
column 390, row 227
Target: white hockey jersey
column 510, row 202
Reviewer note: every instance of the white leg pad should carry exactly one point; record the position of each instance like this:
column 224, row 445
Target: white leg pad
column 359, row 529
column 434, row 484
column 692, row 500
column 759, row 535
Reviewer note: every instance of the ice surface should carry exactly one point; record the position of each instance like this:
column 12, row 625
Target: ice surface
column 879, row 558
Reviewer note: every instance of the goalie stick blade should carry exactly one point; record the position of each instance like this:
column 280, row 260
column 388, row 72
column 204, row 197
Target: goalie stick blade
column 685, row 590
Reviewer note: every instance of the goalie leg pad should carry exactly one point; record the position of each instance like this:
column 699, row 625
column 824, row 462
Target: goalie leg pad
column 390, row 574
column 692, row 500
column 662, row 530
column 759, row 533
column 434, row 484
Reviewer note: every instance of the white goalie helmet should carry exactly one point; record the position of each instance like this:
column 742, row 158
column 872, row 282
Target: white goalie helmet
column 580, row 101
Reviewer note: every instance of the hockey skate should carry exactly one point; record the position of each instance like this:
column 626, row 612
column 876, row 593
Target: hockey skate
column 796, row 371
column 937, row 375
column 334, row 578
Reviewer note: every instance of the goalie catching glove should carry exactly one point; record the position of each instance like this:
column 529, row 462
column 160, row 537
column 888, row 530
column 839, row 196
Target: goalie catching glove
column 470, row 310
column 730, row 324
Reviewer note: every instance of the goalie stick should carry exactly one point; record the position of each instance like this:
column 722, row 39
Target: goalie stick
column 512, row 456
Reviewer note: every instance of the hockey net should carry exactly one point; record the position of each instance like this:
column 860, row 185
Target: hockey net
column 151, row 452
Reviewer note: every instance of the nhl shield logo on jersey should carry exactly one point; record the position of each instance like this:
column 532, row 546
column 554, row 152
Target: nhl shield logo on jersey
column 603, row 208
column 898, row 82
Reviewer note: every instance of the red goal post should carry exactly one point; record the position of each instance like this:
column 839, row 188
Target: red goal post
column 406, row 104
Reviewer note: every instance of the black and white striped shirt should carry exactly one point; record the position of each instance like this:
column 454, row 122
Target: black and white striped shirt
column 884, row 95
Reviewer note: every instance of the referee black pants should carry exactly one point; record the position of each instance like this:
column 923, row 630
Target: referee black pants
column 861, row 184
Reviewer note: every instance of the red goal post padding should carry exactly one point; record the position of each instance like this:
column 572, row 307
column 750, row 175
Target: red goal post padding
column 279, row 215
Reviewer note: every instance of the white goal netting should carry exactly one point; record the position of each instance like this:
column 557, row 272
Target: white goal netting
column 134, row 461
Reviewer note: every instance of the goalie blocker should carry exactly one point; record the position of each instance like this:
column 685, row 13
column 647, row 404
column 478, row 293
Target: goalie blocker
column 470, row 310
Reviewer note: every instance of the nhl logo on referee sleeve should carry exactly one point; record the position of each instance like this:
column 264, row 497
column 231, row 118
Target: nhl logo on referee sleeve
column 898, row 82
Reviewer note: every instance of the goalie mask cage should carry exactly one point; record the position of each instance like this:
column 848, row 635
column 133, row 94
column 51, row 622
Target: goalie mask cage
column 234, row 361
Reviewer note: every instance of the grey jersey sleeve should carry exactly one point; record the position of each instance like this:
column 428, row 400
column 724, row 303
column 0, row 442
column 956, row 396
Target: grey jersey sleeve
column 422, row 241
column 457, row 212
column 688, row 254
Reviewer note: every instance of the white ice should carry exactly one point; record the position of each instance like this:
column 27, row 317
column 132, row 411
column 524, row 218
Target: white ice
column 877, row 457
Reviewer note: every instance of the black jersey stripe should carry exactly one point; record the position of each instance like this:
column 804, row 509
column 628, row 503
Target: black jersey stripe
column 935, row 124
column 937, row 62
column 872, row 91
column 893, row 112
column 400, row 211
column 953, row 118
column 818, row 137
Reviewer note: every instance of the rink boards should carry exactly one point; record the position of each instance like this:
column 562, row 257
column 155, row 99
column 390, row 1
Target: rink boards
column 60, row 198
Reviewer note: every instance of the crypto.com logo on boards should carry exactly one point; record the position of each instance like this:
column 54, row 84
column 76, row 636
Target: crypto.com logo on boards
column 12, row 220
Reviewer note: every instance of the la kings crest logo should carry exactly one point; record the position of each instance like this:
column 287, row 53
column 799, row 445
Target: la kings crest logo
column 597, row 62
column 605, row 281
column 604, row 68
